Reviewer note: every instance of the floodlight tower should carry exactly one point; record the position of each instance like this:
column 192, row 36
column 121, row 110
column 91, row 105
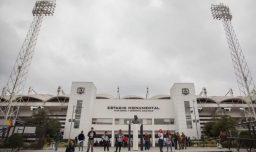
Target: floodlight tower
column 243, row 76
column 16, row 81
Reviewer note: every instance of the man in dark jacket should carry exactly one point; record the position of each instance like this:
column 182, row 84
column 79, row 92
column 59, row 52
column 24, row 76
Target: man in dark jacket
column 57, row 138
column 81, row 141
column 91, row 135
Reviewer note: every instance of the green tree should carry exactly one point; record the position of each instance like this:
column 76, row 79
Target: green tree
column 208, row 128
column 225, row 123
column 15, row 141
column 53, row 127
column 45, row 126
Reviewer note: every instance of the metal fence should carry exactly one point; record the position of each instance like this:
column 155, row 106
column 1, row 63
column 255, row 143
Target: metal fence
column 245, row 141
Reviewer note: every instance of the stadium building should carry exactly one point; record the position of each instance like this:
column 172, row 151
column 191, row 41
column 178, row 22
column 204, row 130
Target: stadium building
column 179, row 111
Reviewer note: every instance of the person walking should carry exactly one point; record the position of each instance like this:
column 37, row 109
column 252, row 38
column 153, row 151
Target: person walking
column 179, row 140
column 175, row 140
column 105, row 140
column 81, row 138
column 222, row 137
column 119, row 140
column 76, row 141
column 126, row 141
column 57, row 138
column 183, row 141
column 147, row 141
column 169, row 141
column 91, row 135
column 189, row 142
column 160, row 140
column 70, row 147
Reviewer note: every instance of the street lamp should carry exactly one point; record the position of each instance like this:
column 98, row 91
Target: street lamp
column 129, row 134
column 71, row 121
column 195, row 119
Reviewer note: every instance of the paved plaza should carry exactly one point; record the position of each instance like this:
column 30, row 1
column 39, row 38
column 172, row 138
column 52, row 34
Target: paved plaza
column 100, row 149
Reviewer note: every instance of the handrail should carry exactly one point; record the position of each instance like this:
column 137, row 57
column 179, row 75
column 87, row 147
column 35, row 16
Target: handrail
column 250, row 142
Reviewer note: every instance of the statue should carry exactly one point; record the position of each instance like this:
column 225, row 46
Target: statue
column 135, row 120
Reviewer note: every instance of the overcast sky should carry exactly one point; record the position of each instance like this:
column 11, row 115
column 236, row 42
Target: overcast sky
column 128, row 43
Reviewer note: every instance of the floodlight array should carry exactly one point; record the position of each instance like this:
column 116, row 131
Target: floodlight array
column 244, row 78
column 17, row 79
column 221, row 12
column 44, row 8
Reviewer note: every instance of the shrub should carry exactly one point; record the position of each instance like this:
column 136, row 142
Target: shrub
column 15, row 141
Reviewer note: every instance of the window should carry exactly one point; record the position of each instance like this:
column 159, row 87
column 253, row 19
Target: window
column 125, row 121
column 102, row 121
column 188, row 114
column 147, row 121
column 78, row 113
column 164, row 121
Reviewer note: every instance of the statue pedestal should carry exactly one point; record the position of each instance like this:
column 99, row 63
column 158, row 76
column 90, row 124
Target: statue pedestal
column 135, row 130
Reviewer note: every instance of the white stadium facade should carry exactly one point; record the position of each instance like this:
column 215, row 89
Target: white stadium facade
column 181, row 110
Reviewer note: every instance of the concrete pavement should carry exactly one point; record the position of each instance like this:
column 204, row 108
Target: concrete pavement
column 100, row 149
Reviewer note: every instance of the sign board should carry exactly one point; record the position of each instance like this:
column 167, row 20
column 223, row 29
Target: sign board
column 133, row 108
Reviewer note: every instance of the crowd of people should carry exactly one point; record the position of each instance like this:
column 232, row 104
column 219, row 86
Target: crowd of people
column 172, row 140
column 169, row 139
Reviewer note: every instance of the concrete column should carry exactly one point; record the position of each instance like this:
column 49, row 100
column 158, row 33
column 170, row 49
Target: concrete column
column 135, row 129
column 113, row 138
column 153, row 139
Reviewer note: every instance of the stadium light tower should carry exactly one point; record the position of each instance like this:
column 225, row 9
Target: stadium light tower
column 16, row 81
column 243, row 76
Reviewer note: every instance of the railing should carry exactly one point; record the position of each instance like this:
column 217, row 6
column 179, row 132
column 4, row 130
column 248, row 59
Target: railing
column 248, row 143
column 245, row 143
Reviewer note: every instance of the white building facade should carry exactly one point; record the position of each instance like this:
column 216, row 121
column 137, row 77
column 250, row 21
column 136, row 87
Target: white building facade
column 174, row 113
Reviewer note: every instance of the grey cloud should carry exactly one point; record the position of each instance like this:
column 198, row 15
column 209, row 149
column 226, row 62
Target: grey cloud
column 129, row 43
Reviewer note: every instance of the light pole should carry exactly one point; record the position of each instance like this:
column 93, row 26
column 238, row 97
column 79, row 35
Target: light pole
column 243, row 75
column 196, row 121
column 17, row 78
column 129, row 135
column 71, row 121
